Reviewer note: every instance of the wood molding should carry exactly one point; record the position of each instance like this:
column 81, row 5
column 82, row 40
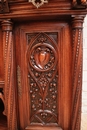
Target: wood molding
column 2, row 84
column 77, row 22
column 52, row 9
column 9, row 91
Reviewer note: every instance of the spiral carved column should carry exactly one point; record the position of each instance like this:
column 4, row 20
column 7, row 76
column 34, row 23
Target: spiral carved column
column 77, row 26
column 9, row 90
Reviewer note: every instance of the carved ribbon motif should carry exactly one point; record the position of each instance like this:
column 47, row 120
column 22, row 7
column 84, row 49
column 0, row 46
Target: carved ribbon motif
column 43, row 78
column 38, row 3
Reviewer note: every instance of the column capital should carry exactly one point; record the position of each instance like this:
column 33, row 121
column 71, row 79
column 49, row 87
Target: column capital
column 7, row 25
column 77, row 21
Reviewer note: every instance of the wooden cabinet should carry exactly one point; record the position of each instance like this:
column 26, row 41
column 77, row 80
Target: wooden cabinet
column 41, row 64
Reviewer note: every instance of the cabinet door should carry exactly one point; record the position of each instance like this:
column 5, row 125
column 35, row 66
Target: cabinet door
column 43, row 57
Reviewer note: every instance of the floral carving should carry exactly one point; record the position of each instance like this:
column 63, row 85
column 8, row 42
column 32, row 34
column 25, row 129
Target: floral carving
column 43, row 79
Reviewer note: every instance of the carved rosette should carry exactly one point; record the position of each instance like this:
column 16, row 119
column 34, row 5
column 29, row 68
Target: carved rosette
column 77, row 23
column 43, row 79
column 9, row 90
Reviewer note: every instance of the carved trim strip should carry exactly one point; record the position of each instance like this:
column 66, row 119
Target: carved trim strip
column 19, row 81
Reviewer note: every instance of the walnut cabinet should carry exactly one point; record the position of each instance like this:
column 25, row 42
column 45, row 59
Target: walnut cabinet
column 41, row 63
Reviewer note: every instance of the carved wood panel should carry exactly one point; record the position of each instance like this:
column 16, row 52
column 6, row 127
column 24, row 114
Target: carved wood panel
column 43, row 72
column 43, row 78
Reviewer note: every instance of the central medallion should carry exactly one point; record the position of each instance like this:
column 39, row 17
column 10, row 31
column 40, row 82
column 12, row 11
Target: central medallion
column 42, row 57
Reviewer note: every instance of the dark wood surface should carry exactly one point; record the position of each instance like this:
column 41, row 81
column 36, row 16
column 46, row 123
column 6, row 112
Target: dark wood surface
column 3, row 118
column 3, row 122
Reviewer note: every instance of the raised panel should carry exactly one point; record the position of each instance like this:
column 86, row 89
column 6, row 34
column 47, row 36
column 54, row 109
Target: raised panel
column 44, row 81
column 42, row 57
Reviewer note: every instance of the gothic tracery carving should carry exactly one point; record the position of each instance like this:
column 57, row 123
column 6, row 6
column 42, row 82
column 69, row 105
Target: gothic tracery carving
column 43, row 77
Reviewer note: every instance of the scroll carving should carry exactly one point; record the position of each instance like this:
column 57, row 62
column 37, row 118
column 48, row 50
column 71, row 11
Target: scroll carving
column 43, row 79
column 77, row 71
column 9, row 90
column 4, row 6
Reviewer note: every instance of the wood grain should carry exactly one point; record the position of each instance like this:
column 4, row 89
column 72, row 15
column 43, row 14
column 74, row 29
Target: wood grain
column 41, row 64
column 3, row 122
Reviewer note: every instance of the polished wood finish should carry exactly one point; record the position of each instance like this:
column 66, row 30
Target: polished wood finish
column 54, row 31
column 41, row 65
column 77, row 70
column 9, row 89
